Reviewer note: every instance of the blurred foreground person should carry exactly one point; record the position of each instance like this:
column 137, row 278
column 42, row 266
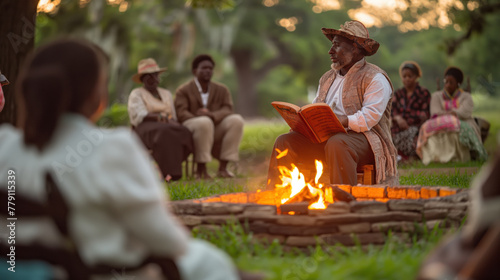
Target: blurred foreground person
column 473, row 253
column 117, row 206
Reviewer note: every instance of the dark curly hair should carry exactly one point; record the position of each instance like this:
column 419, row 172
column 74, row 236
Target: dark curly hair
column 202, row 57
column 455, row 72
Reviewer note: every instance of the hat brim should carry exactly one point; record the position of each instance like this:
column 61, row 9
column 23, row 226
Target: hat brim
column 369, row 45
column 137, row 77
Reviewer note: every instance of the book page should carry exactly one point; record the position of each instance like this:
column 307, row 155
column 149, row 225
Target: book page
column 322, row 120
column 289, row 113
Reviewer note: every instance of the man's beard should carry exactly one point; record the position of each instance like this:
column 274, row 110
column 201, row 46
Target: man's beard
column 337, row 66
column 341, row 63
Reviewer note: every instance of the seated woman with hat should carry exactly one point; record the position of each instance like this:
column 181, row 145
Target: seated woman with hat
column 152, row 113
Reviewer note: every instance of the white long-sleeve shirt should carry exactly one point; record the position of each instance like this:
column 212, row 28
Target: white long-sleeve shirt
column 376, row 97
column 117, row 201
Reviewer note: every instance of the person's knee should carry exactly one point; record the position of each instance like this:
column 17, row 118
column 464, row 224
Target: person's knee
column 337, row 142
column 203, row 125
column 234, row 122
column 282, row 140
column 237, row 120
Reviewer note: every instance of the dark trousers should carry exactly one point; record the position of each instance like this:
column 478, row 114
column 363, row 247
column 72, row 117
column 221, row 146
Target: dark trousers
column 342, row 154
column 170, row 144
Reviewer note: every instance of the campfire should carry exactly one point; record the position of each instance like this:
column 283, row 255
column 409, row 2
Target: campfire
column 302, row 211
column 295, row 189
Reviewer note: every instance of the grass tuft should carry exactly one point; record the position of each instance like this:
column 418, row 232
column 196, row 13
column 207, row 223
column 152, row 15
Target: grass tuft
column 456, row 180
column 197, row 189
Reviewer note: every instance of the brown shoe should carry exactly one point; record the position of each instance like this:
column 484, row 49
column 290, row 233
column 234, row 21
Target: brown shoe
column 225, row 174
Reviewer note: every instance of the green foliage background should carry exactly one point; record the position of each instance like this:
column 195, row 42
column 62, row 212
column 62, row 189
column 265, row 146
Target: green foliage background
column 174, row 33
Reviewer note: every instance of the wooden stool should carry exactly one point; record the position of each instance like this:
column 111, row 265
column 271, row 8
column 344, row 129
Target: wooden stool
column 366, row 174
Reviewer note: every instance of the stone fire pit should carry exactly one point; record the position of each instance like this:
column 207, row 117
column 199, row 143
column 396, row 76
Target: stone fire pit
column 376, row 211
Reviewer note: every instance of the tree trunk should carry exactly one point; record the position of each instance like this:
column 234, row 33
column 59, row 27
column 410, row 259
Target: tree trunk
column 248, row 78
column 17, row 31
column 247, row 100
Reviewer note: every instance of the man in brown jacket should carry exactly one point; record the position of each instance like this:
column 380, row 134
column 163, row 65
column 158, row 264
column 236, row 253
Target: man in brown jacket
column 206, row 109
column 359, row 94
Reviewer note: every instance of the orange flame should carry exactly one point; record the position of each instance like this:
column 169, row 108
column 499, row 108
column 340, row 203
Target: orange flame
column 281, row 154
column 293, row 182
column 321, row 203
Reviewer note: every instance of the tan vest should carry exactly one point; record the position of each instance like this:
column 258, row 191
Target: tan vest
column 356, row 81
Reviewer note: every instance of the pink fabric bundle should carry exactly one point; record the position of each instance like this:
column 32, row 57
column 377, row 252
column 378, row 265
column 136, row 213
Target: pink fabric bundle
column 443, row 123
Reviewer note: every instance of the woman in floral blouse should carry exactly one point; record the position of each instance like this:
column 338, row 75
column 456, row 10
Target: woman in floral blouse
column 410, row 109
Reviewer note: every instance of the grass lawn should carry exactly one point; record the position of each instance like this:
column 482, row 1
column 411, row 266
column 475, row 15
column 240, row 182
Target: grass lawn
column 394, row 260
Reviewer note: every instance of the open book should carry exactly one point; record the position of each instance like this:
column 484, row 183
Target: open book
column 316, row 121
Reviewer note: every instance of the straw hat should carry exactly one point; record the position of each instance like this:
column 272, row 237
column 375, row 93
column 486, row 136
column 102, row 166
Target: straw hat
column 147, row 66
column 354, row 31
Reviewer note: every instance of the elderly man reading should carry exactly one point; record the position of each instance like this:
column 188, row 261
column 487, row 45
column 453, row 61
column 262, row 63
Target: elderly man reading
column 359, row 94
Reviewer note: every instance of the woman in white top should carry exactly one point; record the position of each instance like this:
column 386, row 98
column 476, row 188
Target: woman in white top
column 118, row 210
column 152, row 113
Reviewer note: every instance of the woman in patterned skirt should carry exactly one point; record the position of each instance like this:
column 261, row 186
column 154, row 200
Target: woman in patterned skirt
column 410, row 109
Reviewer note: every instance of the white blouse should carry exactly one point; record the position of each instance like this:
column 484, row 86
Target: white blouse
column 117, row 198
column 141, row 102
